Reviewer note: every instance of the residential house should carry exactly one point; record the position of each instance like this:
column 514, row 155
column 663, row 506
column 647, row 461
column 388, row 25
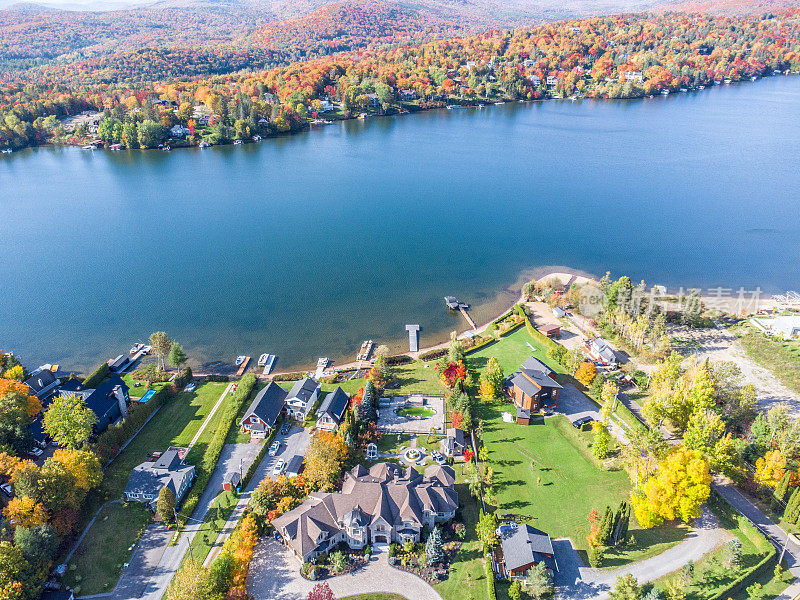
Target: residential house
column 373, row 100
column 785, row 327
column 109, row 401
column 384, row 504
column 600, row 352
column 327, row 105
column 454, row 443
column 302, row 398
column 533, row 387
column 179, row 131
column 634, row 76
column 263, row 412
column 408, row 95
column 552, row 80
column 43, row 382
column 295, row 466
column 149, row 478
column 522, row 548
column 331, row 412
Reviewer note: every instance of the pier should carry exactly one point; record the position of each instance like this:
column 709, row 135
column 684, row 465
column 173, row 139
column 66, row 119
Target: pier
column 454, row 303
column 243, row 366
column 467, row 317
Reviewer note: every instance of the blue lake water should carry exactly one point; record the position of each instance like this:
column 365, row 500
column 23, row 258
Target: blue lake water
column 304, row 246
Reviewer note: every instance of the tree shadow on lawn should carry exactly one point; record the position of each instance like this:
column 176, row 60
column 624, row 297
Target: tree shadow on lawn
column 642, row 540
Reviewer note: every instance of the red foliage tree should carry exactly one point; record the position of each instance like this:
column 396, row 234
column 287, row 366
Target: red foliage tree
column 321, row 591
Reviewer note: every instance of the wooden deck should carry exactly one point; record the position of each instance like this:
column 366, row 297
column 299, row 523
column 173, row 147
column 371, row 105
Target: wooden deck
column 468, row 318
column 243, row 368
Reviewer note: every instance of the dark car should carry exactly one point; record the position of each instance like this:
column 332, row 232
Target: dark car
column 286, row 428
column 579, row 423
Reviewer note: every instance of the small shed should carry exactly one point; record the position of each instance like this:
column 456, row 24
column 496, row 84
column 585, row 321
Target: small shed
column 551, row 331
column 523, row 416
column 231, row 481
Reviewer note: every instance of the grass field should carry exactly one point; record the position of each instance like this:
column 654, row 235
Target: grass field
column 511, row 351
column 414, row 411
column 545, row 478
column 175, row 424
column 215, row 519
column 781, row 357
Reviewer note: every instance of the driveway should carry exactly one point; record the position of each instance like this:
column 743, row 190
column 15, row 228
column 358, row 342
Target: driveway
column 576, row 582
column 573, row 404
column 275, row 575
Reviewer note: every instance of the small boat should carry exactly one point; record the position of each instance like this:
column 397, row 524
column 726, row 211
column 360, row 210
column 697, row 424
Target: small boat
column 262, row 360
column 701, row 87
column 753, row 78
column 240, row 360
column 271, row 358
column 665, row 92
column 204, row 145
column 684, row 90
column 115, row 147
column 237, row 142
column 256, row 138
column 7, row 150
column 166, row 148
column 136, row 347
column 727, row 81
column 498, row 103
column 90, row 147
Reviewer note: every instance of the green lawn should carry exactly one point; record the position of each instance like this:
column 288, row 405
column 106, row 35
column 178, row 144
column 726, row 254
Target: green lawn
column 511, row 351
column 206, row 535
column 546, row 478
column 467, row 579
column 414, row 411
column 95, row 566
column 377, row 596
column 236, row 435
column 416, row 377
column 175, row 424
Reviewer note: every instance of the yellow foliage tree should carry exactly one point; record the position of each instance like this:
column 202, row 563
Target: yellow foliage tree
column 25, row 512
column 770, row 468
column 677, row 491
column 586, row 373
column 82, row 464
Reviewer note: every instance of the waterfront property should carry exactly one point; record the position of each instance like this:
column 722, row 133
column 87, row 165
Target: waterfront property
column 149, row 478
column 783, row 327
column 532, row 388
column 379, row 505
column 43, row 382
column 331, row 412
column 302, row 397
column 263, row 412
column 600, row 352
column 109, row 401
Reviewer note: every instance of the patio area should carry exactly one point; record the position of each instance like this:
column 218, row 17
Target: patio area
column 411, row 414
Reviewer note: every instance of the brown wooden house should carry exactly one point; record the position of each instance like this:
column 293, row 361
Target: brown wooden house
column 522, row 547
column 533, row 387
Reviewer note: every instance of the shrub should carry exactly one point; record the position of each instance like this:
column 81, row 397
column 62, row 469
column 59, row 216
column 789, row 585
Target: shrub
column 400, row 359
column 431, row 354
column 393, row 548
column 597, row 556
column 97, row 376
column 218, row 378
column 288, row 377
column 182, row 378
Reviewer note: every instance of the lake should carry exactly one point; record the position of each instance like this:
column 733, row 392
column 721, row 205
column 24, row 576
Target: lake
column 306, row 245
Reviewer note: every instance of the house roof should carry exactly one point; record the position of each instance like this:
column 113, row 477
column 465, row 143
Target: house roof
column 295, row 464
column 525, row 545
column 267, row 404
column 40, row 380
column 150, row 477
column 334, row 404
column 601, row 348
column 457, row 435
column 303, row 390
column 101, row 399
column 384, row 492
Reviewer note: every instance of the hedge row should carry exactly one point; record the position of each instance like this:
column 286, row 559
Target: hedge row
column 97, row 376
column 400, row 359
column 431, row 354
column 489, row 578
column 288, row 377
column 210, row 457
column 218, row 378
column 112, row 439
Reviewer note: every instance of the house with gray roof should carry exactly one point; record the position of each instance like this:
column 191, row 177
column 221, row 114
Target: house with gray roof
column 263, row 412
column 302, row 397
column 331, row 412
column 454, row 443
column 522, row 548
column 533, row 387
column 383, row 504
column 43, row 382
column 108, row 401
column 600, row 352
column 150, row 477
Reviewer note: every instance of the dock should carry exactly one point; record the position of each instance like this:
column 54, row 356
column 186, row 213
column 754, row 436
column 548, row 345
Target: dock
column 454, row 303
column 413, row 337
column 467, row 317
column 269, row 364
column 243, row 367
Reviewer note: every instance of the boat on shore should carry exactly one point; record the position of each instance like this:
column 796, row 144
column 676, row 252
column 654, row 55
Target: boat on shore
column 240, row 359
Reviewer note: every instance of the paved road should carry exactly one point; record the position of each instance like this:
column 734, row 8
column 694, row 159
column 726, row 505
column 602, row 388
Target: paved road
column 275, row 575
column 576, row 582
column 294, row 443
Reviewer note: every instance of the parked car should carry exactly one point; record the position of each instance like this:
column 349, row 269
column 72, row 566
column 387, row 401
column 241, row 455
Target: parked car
column 287, row 427
column 190, row 388
column 579, row 423
column 36, row 452
column 7, row 489
column 273, row 449
column 279, row 467
column 437, row 456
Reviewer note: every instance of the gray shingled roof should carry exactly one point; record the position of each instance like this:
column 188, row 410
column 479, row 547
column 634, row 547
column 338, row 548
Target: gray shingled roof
column 525, row 545
column 303, row 389
column 267, row 404
column 150, row 477
column 334, row 404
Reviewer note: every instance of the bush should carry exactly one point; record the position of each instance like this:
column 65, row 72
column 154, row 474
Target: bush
column 597, row 556
column 393, row 548
column 490, row 579
column 218, row 378
column 97, row 376
column 400, row 359
column 182, row 378
column 288, row 377
column 431, row 354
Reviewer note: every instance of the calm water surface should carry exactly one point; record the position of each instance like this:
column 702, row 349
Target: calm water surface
column 305, row 246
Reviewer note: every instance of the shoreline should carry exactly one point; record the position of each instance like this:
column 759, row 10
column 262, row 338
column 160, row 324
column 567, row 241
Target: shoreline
column 395, row 112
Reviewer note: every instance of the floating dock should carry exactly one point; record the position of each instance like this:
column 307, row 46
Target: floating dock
column 413, row 337
column 269, row 364
column 243, row 366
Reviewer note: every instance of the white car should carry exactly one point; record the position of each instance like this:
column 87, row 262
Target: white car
column 273, row 449
column 279, row 467
column 438, row 457
column 35, row 452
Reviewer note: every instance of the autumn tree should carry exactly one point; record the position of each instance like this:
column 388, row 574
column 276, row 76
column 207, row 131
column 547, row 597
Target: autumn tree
column 166, row 504
column 161, row 344
column 83, row 466
column 586, row 373
column 677, row 491
column 491, row 381
column 190, row 583
column 381, row 373
column 321, row 591
column 770, row 468
column 486, row 530
column 69, row 421
column 25, row 512
column 18, row 407
column 325, row 459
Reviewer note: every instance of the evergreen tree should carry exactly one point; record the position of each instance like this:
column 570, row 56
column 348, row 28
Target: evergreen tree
column 368, row 409
column 782, row 489
column 790, row 514
column 606, row 527
column 166, row 504
column 433, row 547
